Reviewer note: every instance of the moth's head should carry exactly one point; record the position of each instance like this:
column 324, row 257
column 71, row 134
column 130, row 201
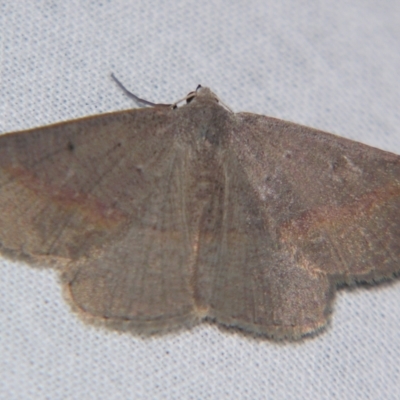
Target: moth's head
column 201, row 93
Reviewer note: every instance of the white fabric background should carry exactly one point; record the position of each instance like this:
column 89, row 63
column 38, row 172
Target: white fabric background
column 333, row 65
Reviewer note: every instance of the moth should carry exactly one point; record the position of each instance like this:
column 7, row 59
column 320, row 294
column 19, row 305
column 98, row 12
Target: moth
column 160, row 217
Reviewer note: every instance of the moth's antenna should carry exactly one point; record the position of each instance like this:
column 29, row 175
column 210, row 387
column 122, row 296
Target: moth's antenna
column 188, row 98
column 138, row 99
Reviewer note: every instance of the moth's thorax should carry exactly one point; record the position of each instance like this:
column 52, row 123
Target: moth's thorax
column 206, row 120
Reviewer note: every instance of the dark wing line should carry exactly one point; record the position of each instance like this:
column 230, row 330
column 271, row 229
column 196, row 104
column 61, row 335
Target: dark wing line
column 88, row 192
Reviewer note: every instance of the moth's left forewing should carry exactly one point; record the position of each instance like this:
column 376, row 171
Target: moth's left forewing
column 64, row 188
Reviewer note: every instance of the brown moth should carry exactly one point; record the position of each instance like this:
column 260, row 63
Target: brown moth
column 160, row 217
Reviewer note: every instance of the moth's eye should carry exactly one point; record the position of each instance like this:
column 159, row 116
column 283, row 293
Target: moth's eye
column 190, row 97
